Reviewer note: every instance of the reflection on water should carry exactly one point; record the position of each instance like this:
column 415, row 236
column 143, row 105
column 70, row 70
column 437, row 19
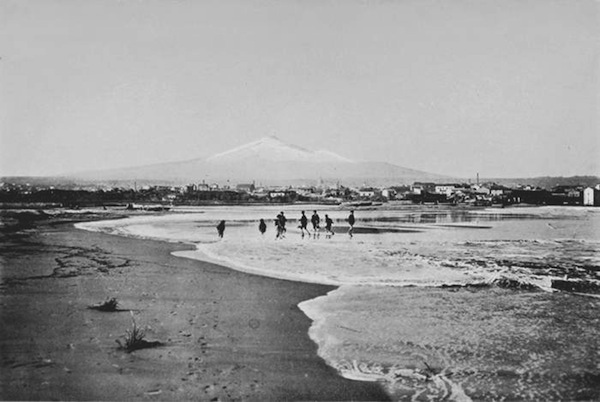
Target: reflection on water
column 442, row 217
column 459, row 216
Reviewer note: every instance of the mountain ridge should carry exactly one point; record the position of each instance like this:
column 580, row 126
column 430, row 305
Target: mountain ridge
column 272, row 162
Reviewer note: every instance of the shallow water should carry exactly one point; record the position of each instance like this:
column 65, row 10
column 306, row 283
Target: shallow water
column 436, row 303
column 484, row 344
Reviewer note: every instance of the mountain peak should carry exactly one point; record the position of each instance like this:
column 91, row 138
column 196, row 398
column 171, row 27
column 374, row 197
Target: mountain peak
column 271, row 161
column 273, row 149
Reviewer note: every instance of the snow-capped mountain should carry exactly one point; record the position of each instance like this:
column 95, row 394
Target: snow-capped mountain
column 269, row 161
column 274, row 150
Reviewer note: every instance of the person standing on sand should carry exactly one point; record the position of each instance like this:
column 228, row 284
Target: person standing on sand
column 262, row 227
column 351, row 221
column 328, row 224
column 221, row 228
column 303, row 224
column 315, row 219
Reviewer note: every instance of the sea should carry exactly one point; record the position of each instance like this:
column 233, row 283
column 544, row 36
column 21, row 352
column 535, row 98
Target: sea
column 433, row 302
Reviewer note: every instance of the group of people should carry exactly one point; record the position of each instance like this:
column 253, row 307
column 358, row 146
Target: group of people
column 315, row 220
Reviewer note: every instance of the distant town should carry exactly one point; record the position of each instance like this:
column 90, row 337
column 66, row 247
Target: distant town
column 161, row 197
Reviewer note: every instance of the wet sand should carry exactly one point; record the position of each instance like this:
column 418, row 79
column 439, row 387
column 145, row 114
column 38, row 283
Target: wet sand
column 226, row 335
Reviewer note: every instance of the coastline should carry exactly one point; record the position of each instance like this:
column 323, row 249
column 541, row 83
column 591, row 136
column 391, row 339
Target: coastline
column 227, row 335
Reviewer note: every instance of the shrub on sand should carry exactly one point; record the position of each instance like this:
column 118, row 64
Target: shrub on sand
column 108, row 305
column 134, row 339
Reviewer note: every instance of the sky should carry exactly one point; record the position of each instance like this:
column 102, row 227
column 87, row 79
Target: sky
column 503, row 88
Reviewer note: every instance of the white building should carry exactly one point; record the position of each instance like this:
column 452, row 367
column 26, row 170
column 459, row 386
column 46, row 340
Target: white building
column 588, row 196
column 276, row 194
column 366, row 192
column 388, row 193
column 447, row 189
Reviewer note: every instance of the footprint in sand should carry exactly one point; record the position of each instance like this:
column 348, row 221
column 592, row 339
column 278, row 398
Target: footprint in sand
column 191, row 375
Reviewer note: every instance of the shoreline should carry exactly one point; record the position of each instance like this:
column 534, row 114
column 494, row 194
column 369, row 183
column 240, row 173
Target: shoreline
column 227, row 334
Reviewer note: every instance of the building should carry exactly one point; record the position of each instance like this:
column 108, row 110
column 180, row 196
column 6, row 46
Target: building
column 591, row 196
column 481, row 190
column 497, row 191
column 536, row 197
column 249, row 188
column 388, row 193
column 421, row 187
column 366, row 192
column 447, row 189
column 588, row 196
column 567, row 195
column 277, row 194
column 283, row 196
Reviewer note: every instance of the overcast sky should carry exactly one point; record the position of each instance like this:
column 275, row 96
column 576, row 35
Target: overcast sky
column 503, row 88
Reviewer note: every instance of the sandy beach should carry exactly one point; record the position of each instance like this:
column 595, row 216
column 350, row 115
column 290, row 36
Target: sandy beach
column 226, row 335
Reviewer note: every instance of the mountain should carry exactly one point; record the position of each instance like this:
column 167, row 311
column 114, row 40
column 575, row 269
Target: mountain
column 274, row 150
column 269, row 161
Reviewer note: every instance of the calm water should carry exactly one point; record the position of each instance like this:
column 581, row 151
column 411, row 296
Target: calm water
column 435, row 303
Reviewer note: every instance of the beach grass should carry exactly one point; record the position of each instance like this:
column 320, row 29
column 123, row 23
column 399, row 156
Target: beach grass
column 135, row 339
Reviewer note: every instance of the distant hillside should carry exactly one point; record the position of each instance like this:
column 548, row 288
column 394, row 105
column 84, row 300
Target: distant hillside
column 549, row 182
column 268, row 161
column 72, row 183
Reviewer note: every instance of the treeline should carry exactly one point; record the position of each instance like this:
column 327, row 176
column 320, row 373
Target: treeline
column 549, row 182
column 123, row 197
column 71, row 198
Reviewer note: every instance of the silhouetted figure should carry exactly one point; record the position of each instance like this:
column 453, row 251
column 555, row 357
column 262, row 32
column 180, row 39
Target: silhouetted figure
column 315, row 220
column 221, row 228
column 351, row 221
column 328, row 224
column 277, row 228
column 280, row 223
column 303, row 224
column 282, row 220
column 262, row 227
